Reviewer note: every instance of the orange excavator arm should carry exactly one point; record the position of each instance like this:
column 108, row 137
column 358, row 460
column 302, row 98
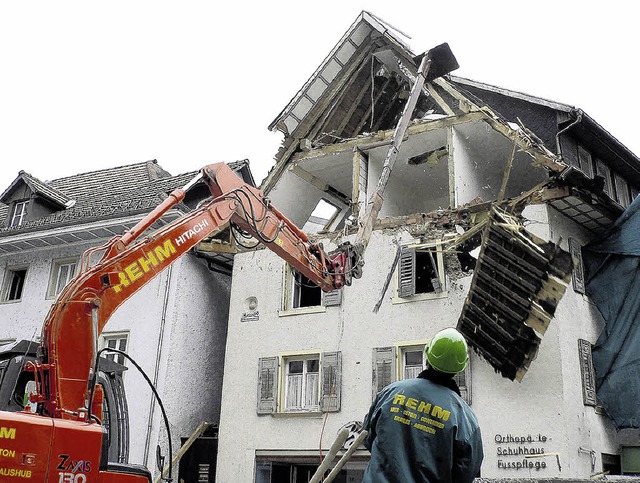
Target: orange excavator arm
column 79, row 314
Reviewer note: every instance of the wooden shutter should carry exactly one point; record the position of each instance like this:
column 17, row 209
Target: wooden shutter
column 463, row 380
column 384, row 368
column 332, row 298
column 267, row 385
column 407, row 272
column 331, row 381
column 578, row 268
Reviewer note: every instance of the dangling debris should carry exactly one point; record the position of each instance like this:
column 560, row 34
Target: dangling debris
column 517, row 284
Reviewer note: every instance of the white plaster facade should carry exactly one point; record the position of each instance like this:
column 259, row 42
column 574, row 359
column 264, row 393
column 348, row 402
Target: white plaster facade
column 547, row 404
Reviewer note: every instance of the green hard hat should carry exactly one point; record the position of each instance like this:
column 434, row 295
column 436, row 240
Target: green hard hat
column 447, row 352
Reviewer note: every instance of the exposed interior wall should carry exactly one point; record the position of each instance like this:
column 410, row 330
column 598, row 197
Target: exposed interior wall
column 297, row 199
column 481, row 156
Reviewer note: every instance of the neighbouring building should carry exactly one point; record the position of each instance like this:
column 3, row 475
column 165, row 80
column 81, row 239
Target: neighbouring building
column 490, row 185
column 174, row 327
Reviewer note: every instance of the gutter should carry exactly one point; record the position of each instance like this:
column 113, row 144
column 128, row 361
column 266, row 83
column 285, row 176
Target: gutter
column 156, row 371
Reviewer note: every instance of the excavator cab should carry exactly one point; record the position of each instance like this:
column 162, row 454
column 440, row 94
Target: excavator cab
column 16, row 383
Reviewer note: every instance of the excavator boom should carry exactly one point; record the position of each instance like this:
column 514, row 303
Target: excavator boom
column 63, row 370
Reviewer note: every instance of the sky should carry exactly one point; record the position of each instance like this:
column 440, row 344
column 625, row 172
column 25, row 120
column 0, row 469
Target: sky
column 90, row 85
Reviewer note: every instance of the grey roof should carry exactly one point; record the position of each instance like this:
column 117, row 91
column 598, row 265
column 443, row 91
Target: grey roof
column 115, row 192
column 37, row 187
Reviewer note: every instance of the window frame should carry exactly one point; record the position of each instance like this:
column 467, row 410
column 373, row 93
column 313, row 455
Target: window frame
column 24, row 204
column 56, row 266
column 393, row 358
column 585, row 161
column 273, row 385
column 286, row 386
column 119, row 335
column 289, row 279
column 7, row 283
column 434, row 247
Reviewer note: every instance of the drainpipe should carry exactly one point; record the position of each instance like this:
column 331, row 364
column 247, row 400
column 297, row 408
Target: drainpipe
column 152, row 404
column 578, row 119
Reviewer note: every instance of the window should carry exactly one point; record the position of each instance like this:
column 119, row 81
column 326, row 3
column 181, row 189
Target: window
column 406, row 362
column 301, row 293
column 412, row 361
column 19, row 213
column 309, row 383
column 585, row 161
column 622, row 191
column 115, row 340
column 13, row 284
column 604, row 171
column 420, row 273
column 62, row 271
column 302, row 379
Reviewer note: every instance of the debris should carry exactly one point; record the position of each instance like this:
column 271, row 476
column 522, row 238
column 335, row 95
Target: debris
column 517, row 284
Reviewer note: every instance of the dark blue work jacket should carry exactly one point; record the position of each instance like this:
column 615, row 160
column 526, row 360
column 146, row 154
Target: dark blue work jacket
column 421, row 431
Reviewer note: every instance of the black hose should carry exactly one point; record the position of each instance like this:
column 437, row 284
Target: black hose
column 155, row 393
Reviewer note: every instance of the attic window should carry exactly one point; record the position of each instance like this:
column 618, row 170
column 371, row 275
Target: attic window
column 19, row 213
column 321, row 217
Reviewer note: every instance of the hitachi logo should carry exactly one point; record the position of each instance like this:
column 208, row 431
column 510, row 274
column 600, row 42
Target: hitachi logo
column 7, row 433
column 191, row 232
column 137, row 269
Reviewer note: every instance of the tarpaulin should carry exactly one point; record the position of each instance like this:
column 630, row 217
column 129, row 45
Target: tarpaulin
column 612, row 270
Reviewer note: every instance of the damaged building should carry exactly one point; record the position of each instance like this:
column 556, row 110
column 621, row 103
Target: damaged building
column 491, row 198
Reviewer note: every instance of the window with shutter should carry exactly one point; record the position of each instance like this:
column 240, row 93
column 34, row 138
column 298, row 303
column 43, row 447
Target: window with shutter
column 267, row 385
column 578, row 268
column 384, row 368
column 407, row 272
column 420, row 274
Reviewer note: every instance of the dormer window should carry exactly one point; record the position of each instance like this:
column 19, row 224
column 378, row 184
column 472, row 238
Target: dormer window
column 19, row 213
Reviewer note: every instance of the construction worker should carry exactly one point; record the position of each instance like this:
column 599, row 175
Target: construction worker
column 420, row 429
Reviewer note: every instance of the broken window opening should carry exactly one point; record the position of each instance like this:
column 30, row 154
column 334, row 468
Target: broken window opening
column 321, row 217
column 421, row 272
column 305, row 292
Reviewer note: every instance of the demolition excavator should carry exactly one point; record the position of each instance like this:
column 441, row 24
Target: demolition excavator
column 56, row 433
column 63, row 439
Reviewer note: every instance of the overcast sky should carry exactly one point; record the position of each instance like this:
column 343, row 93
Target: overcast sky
column 91, row 85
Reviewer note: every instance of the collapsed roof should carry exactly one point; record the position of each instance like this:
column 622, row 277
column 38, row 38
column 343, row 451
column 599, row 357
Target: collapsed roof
column 520, row 149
